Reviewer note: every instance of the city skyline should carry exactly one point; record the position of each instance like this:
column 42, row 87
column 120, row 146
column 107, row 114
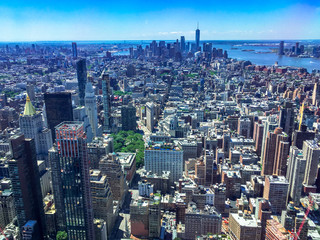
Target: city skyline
column 137, row 20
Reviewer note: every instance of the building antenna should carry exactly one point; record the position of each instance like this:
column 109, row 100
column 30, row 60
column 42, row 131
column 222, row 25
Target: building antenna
column 197, row 25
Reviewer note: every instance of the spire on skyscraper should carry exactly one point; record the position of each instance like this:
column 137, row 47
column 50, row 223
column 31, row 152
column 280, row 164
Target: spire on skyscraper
column 29, row 109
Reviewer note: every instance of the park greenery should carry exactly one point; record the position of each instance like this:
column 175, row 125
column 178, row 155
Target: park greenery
column 10, row 94
column 61, row 235
column 129, row 141
column 120, row 93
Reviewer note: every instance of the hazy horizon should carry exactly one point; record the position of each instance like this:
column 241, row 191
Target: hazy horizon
column 80, row 20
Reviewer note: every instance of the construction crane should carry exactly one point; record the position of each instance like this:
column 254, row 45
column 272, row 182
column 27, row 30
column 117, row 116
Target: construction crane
column 3, row 234
column 297, row 234
column 301, row 115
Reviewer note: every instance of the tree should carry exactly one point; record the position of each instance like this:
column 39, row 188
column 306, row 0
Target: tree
column 62, row 235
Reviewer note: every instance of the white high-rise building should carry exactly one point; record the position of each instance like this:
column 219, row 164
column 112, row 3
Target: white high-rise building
column 91, row 108
column 164, row 158
column 311, row 152
column 295, row 173
column 33, row 126
column 79, row 114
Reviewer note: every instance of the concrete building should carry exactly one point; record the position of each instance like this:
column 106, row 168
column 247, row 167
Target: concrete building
column 32, row 126
column 275, row 231
column 243, row 226
column 150, row 112
column 80, row 115
column 100, row 229
column 106, row 91
column 91, row 109
column 102, row 200
column 7, row 208
column 145, row 189
column 110, row 166
column 198, row 222
column 232, row 181
column 244, row 127
column 276, row 190
column 167, row 157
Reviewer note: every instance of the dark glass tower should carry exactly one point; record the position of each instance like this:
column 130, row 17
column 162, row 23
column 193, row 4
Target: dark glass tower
column 128, row 118
column 25, row 180
column 58, row 109
column 82, row 79
column 74, row 50
column 197, row 37
column 183, row 43
column 106, row 101
column 281, row 48
column 71, row 181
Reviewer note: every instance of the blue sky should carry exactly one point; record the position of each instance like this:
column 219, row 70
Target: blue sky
column 36, row 20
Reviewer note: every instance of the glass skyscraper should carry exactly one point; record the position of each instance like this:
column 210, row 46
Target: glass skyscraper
column 71, row 181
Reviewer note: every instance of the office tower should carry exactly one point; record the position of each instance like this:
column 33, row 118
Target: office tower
column 200, row 222
column 31, row 231
column 32, row 126
column 31, row 92
column 106, row 101
column 164, row 158
column 275, row 153
column 58, row 109
column 316, row 94
column 287, row 116
column 82, row 79
column 197, row 38
column 244, row 127
column 295, row 174
column 150, row 108
column 111, row 167
column 268, row 125
column 102, row 200
column 74, row 50
column 276, row 191
column 311, row 152
column 243, row 226
column 71, row 181
column 281, row 154
column 299, row 136
column 25, row 181
column 128, row 118
column 257, row 136
column 297, row 49
column 7, row 208
column 232, row 181
column 264, row 213
column 281, row 48
column 91, row 108
column 183, row 43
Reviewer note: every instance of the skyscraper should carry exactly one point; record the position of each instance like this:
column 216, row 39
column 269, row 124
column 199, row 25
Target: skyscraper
column 106, row 101
column 58, row 109
column 128, row 118
column 82, row 79
column 183, row 43
column 311, row 152
column 74, row 50
column 281, row 48
column 295, row 174
column 150, row 116
column 275, row 153
column 197, row 37
column 71, row 181
column 287, row 118
column 25, row 180
column 91, row 108
column 32, row 126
